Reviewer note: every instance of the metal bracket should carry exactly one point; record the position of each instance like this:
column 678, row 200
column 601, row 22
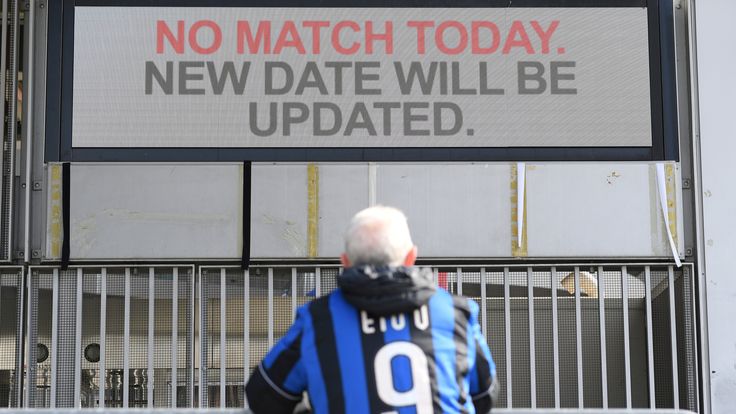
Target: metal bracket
column 689, row 251
column 686, row 184
column 18, row 254
column 37, row 186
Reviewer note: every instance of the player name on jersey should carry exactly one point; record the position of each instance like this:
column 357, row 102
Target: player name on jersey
column 369, row 325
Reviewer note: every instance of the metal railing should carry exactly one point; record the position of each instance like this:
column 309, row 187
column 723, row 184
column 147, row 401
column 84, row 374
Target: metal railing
column 245, row 411
column 563, row 336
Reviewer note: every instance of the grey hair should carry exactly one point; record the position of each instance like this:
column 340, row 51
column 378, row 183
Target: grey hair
column 378, row 236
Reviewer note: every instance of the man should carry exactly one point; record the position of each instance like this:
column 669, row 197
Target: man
column 386, row 341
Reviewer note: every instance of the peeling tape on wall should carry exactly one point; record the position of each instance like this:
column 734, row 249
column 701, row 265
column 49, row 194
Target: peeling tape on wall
column 312, row 209
column 54, row 228
column 518, row 249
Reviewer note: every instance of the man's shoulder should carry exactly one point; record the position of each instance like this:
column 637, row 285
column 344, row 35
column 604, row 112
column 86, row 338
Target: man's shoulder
column 321, row 302
column 465, row 305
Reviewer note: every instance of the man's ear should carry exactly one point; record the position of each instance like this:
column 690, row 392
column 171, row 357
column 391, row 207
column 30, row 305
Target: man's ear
column 344, row 260
column 411, row 257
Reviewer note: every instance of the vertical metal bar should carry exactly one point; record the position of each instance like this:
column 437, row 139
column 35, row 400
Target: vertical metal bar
column 483, row 302
column 532, row 339
column 673, row 341
column 702, row 298
column 202, row 329
column 293, row 293
column 695, row 329
column 12, row 123
column 20, row 339
column 602, row 326
column 27, row 348
column 30, row 22
column 3, row 53
column 23, row 314
column 627, row 347
column 317, row 283
column 270, row 306
column 174, row 334
column 650, row 343
column 151, row 325
column 103, row 335
column 223, row 336
column 54, row 336
column 126, row 340
column 578, row 338
column 78, row 341
column 192, row 313
column 507, row 331
column 555, row 336
column 459, row 274
column 436, row 276
column 246, row 328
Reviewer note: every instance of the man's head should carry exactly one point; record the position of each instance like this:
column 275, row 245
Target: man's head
column 379, row 236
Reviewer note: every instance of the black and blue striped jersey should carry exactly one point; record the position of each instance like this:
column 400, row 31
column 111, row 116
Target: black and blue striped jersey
column 430, row 359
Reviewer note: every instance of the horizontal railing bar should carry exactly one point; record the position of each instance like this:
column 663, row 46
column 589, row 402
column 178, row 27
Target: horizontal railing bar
column 244, row 411
column 120, row 265
column 487, row 264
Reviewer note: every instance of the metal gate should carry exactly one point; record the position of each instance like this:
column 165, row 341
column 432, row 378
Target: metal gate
column 11, row 320
column 562, row 336
column 109, row 326
column 566, row 336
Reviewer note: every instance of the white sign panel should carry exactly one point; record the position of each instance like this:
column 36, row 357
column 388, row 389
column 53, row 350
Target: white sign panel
column 360, row 77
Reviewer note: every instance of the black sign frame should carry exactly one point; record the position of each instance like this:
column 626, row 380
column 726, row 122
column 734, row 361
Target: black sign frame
column 59, row 102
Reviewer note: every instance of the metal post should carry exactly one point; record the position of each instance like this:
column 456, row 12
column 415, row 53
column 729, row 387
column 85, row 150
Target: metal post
column 317, row 283
column 174, row 335
column 20, row 361
column 702, row 297
column 650, row 342
column 20, row 344
column 293, row 293
column 54, row 337
column 507, row 330
column 28, row 125
column 202, row 344
column 151, row 338
column 673, row 335
column 126, row 340
column 12, row 125
column 246, row 328
column 627, row 346
column 694, row 331
column 578, row 338
column 555, row 336
column 483, row 302
column 270, row 307
column 532, row 339
column 78, row 341
column 602, row 326
column 192, row 330
column 103, row 335
column 223, row 336
column 3, row 53
column 459, row 274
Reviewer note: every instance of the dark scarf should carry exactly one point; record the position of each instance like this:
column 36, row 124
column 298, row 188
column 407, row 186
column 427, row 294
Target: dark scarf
column 386, row 290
